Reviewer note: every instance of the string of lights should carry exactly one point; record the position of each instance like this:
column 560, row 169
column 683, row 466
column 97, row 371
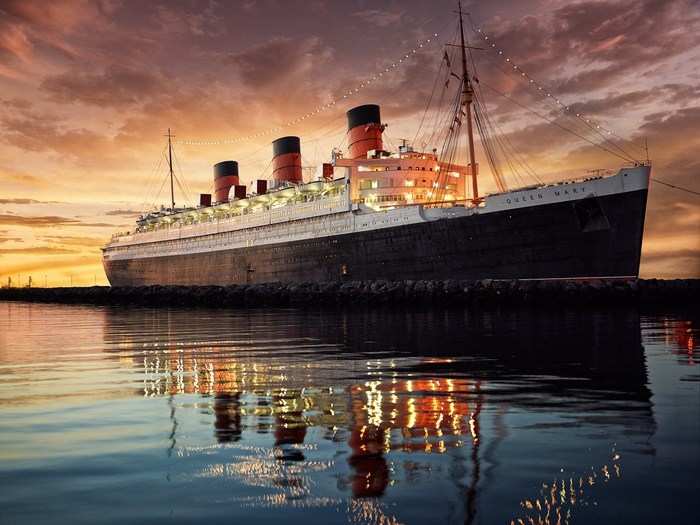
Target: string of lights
column 325, row 107
column 546, row 92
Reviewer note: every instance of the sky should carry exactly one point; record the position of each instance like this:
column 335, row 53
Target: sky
column 89, row 88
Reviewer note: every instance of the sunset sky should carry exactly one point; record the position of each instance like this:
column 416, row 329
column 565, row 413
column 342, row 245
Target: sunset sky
column 89, row 88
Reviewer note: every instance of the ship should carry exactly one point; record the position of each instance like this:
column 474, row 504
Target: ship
column 375, row 214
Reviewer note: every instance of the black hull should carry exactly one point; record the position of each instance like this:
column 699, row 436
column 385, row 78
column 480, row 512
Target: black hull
column 592, row 237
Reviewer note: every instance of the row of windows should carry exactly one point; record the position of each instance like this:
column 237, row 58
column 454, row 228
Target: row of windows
column 373, row 184
column 397, row 168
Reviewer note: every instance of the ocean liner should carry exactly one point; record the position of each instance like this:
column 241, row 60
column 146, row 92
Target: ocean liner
column 370, row 213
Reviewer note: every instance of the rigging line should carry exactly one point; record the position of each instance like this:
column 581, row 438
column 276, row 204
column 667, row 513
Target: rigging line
column 494, row 137
column 165, row 179
column 507, row 144
column 430, row 99
column 152, row 180
column 489, row 149
column 540, row 87
column 557, row 105
column 264, row 171
column 188, row 193
column 596, row 129
column 442, row 105
column 188, row 202
column 446, row 124
column 254, row 153
column 332, row 126
column 508, row 148
column 489, row 142
column 432, row 93
column 435, row 82
column 688, row 190
column 451, row 141
column 152, row 177
column 557, row 124
column 499, row 136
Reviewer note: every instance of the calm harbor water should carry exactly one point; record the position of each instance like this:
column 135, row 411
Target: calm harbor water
column 113, row 415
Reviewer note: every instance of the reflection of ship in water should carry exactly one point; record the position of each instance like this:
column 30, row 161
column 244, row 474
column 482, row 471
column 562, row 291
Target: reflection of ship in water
column 682, row 336
column 388, row 383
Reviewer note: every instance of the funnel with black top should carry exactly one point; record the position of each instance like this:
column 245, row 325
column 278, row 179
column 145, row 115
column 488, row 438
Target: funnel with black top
column 286, row 160
column 364, row 131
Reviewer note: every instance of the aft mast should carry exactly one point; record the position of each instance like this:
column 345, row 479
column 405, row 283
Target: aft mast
column 170, row 164
column 467, row 98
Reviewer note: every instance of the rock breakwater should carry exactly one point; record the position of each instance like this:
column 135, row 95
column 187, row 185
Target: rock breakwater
column 494, row 293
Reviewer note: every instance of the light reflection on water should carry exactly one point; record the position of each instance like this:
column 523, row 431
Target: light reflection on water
column 114, row 415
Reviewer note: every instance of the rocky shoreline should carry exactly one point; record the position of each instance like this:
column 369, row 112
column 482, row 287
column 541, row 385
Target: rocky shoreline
column 548, row 294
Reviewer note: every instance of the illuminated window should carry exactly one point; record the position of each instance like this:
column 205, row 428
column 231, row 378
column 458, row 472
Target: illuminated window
column 374, row 184
column 409, row 183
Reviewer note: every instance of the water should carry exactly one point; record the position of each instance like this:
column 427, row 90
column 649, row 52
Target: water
column 113, row 415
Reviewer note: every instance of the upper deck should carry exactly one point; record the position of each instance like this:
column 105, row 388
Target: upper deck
column 315, row 200
column 283, row 205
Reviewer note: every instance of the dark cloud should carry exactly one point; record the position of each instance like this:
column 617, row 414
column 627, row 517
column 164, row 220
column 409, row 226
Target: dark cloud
column 281, row 63
column 43, row 132
column 615, row 103
column 39, row 221
column 27, row 26
column 35, row 250
column 200, row 19
column 25, row 179
column 48, row 221
column 673, row 124
column 127, row 213
column 603, row 41
column 25, row 201
column 380, row 17
column 116, row 86
column 71, row 240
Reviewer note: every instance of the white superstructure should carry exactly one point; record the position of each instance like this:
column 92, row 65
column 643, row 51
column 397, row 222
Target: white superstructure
column 325, row 209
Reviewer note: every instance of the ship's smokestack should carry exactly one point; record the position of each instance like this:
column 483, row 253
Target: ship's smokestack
column 364, row 130
column 225, row 176
column 286, row 160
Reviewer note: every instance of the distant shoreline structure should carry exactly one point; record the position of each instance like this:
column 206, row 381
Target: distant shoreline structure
column 571, row 293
